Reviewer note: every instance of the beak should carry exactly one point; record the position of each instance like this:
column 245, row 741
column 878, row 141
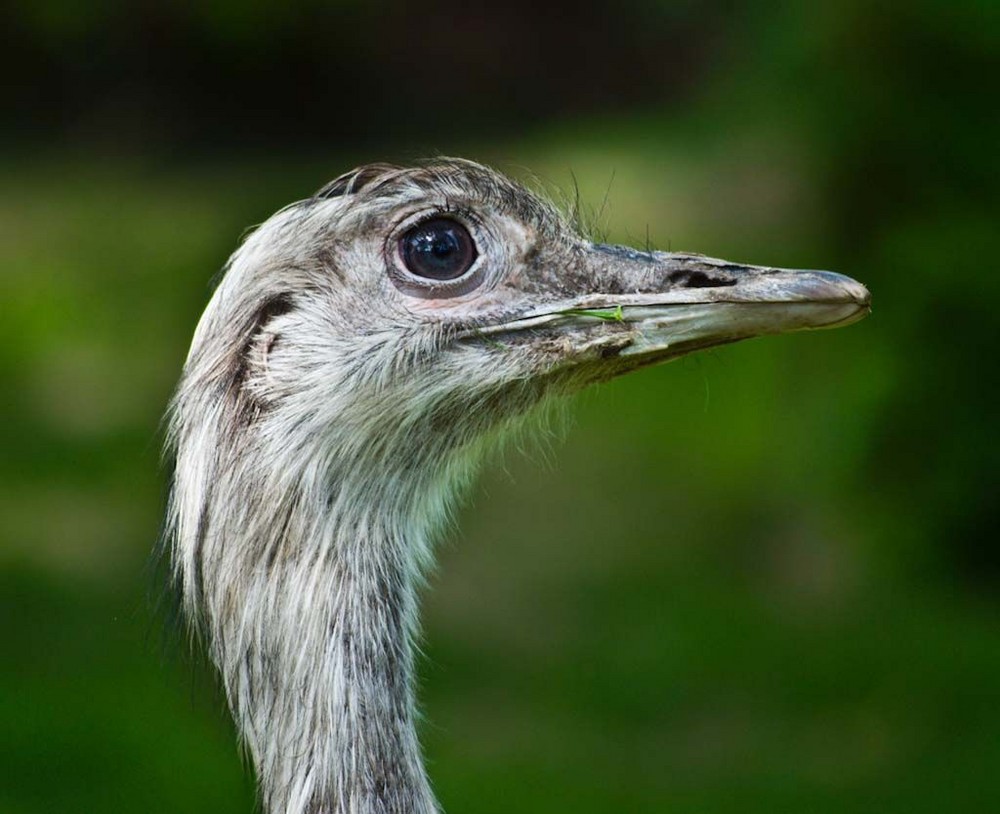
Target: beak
column 656, row 306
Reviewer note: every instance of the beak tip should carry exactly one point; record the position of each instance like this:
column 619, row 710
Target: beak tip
column 846, row 287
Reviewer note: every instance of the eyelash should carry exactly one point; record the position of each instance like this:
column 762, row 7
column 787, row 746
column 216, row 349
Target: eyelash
column 462, row 213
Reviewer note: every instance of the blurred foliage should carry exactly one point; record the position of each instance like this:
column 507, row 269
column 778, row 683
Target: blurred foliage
column 758, row 579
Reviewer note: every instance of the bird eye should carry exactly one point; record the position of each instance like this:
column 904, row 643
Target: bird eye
column 438, row 249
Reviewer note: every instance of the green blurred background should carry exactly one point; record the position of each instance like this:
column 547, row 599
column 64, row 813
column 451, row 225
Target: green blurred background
column 765, row 578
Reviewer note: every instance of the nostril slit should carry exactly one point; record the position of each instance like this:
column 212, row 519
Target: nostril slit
column 699, row 279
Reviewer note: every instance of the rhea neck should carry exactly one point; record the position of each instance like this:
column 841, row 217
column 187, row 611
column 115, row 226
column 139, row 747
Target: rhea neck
column 320, row 679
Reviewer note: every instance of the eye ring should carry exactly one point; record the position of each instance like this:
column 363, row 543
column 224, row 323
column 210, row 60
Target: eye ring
column 438, row 250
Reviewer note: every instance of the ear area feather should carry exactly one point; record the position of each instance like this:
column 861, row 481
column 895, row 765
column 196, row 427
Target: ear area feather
column 274, row 307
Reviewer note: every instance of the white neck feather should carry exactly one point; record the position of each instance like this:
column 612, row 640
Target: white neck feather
column 328, row 710
column 304, row 574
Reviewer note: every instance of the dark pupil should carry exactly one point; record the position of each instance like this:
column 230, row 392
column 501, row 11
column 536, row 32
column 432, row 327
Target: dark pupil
column 438, row 249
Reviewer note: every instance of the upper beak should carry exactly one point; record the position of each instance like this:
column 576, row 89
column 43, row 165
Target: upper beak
column 668, row 304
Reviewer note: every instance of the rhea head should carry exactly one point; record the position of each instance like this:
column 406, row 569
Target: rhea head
column 359, row 349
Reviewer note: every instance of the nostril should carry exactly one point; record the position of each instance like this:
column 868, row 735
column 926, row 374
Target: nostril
column 699, row 279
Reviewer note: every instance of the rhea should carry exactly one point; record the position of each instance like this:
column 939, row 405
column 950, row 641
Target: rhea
column 362, row 349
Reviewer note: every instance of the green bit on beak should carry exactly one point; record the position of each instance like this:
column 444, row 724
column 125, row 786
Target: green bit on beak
column 609, row 314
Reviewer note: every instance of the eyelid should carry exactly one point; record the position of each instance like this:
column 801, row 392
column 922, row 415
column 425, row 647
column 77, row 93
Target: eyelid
column 467, row 216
